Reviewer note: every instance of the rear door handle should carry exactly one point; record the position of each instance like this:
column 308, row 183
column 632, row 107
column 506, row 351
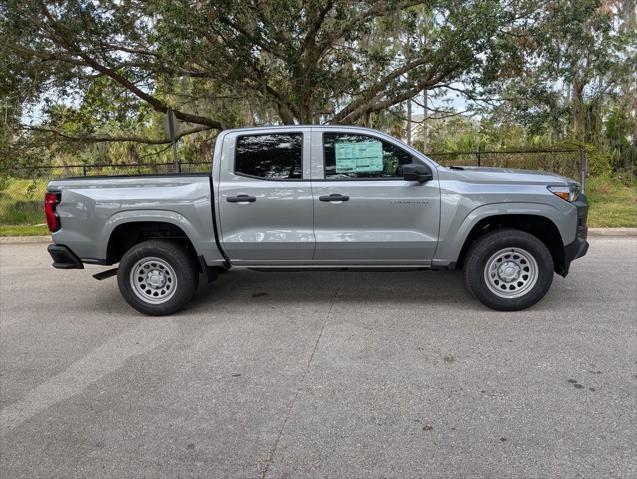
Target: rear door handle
column 334, row 197
column 241, row 199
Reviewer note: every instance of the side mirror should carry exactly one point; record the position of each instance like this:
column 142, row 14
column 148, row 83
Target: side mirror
column 416, row 172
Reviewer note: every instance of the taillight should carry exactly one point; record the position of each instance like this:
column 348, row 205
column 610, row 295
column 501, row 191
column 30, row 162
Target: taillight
column 51, row 200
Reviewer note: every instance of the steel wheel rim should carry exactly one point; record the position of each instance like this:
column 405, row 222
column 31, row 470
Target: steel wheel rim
column 511, row 272
column 153, row 280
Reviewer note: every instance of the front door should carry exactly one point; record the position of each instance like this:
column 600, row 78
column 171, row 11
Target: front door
column 364, row 211
column 265, row 198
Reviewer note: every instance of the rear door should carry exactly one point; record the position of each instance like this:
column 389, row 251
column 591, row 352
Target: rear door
column 265, row 203
column 364, row 211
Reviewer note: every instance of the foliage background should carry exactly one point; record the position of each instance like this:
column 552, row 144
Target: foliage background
column 89, row 82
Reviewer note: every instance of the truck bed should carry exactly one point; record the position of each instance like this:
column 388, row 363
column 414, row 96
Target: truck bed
column 92, row 208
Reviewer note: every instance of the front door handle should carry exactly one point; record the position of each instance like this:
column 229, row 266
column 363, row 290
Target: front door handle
column 334, row 197
column 241, row 199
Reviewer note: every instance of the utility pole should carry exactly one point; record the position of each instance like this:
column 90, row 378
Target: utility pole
column 172, row 132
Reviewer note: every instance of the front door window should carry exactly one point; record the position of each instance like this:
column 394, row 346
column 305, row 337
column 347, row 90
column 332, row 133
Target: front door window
column 348, row 156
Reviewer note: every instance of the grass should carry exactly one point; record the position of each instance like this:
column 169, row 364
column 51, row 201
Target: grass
column 21, row 202
column 23, row 230
column 613, row 205
column 21, row 208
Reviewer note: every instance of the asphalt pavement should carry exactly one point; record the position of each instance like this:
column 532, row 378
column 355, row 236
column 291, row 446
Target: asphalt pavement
column 325, row 374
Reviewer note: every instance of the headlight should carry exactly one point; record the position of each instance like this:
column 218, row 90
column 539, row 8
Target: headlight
column 568, row 193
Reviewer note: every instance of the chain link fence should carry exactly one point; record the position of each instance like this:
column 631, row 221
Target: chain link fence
column 22, row 188
column 566, row 162
column 70, row 171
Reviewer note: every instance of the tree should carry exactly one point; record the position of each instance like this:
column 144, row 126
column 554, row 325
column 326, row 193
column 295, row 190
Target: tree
column 216, row 63
column 579, row 57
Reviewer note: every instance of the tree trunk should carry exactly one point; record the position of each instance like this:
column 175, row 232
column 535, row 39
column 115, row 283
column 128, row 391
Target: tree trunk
column 285, row 114
column 366, row 119
column 409, row 121
column 305, row 114
column 635, row 110
column 132, row 156
column 425, row 119
column 250, row 117
column 579, row 114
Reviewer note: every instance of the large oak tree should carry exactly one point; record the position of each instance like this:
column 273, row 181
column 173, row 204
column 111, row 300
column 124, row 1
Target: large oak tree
column 211, row 61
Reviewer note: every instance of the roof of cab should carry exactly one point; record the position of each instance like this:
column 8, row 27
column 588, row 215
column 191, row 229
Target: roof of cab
column 300, row 126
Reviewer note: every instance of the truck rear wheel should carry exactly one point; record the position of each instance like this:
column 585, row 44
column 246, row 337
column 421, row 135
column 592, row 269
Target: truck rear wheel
column 509, row 270
column 157, row 277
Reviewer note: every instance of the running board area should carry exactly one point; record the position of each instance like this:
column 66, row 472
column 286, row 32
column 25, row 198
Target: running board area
column 358, row 269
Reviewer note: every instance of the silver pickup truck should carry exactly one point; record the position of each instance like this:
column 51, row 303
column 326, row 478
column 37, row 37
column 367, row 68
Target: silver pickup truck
column 319, row 197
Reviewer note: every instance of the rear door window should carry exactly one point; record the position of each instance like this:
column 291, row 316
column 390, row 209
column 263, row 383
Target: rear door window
column 272, row 156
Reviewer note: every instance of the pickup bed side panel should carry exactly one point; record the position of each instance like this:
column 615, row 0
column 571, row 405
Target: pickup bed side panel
column 91, row 208
column 465, row 203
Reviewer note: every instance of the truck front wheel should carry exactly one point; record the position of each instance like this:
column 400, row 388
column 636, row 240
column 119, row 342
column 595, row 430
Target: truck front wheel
column 509, row 270
column 157, row 277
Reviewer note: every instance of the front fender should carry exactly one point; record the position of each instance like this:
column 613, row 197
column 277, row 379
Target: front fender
column 457, row 230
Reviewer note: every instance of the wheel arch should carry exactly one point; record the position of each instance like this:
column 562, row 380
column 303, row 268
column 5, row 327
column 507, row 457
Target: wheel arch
column 539, row 226
column 131, row 231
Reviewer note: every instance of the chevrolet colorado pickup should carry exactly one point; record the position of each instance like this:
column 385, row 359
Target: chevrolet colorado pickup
column 319, row 197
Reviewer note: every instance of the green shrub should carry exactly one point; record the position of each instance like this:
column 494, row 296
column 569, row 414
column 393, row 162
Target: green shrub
column 599, row 163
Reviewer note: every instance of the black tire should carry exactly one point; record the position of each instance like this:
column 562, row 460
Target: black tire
column 491, row 248
column 174, row 268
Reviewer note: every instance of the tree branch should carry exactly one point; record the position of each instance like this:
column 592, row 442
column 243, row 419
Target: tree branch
column 157, row 104
column 374, row 104
column 252, row 38
column 310, row 37
column 372, row 92
column 378, row 9
column 112, row 138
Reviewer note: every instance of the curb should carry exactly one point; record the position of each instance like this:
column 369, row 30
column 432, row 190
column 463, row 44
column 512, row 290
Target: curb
column 612, row 231
column 24, row 239
column 594, row 232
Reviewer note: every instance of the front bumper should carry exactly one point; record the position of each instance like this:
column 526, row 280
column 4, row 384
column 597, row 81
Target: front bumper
column 64, row 258
column 579, row 247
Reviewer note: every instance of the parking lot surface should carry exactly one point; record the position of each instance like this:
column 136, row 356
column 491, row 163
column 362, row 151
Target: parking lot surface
column 326, row 374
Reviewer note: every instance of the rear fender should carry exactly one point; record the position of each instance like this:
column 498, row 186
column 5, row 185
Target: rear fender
column 204, row 246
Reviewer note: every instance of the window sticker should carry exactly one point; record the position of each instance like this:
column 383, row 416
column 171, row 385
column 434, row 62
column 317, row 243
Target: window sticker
column 359, row 157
